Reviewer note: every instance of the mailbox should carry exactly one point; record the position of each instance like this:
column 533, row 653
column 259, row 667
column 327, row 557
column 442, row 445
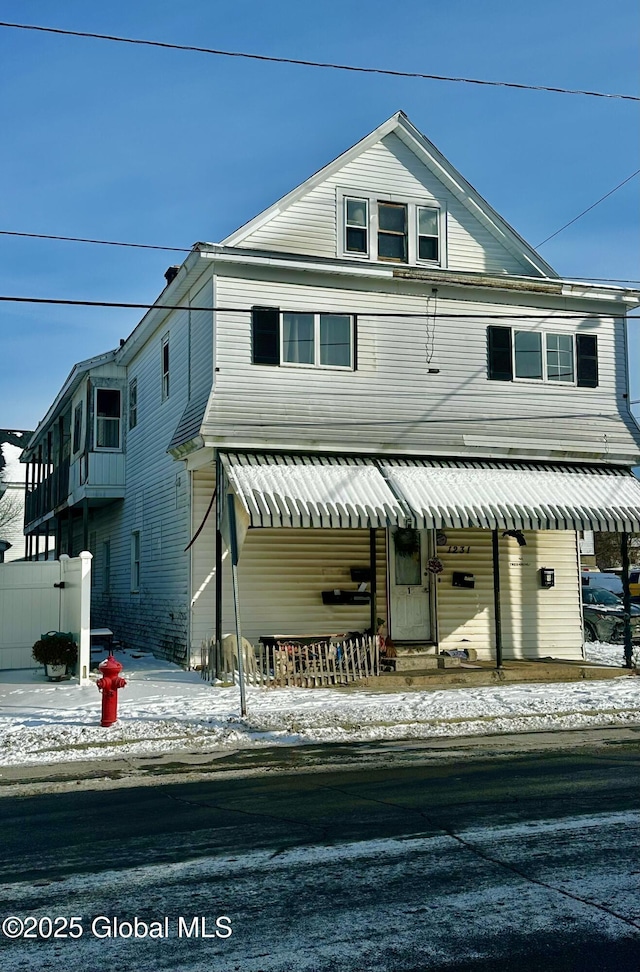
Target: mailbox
column 463, row 580
column 547, row 577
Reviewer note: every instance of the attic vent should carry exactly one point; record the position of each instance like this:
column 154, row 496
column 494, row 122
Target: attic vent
column 171, row 274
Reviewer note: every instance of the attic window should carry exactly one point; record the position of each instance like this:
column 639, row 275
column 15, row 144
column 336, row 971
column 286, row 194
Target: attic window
column 391, row 230
column 357, row 225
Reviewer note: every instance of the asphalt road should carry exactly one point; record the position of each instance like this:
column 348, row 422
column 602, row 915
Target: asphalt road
column 492, row 854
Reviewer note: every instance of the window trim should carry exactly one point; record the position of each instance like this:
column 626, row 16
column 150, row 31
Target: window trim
column 414, row 205
column 316, row 364
column 99, row 448
column 165, row 374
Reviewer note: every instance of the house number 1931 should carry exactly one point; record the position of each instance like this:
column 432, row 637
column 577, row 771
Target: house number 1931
column 458, row 549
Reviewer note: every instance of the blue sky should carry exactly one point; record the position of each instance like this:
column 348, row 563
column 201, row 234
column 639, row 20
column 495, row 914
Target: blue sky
column 120, row 142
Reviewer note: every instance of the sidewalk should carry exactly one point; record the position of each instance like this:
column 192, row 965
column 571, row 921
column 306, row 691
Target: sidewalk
column 166, row 710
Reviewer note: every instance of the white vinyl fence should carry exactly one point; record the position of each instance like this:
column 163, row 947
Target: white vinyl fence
column 40, row 596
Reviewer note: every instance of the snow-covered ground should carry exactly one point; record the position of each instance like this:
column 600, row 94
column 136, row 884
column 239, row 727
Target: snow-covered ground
column 164, row 709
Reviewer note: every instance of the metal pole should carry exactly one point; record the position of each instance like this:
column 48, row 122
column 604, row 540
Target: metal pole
column 374, row 587
column 626, row 599
column 218, row 579
column 496, row 598
column 236, row 605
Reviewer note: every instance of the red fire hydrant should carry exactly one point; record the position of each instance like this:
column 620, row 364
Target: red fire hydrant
column 109, row 685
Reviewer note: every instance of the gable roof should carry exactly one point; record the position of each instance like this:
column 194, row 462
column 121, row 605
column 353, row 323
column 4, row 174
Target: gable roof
column 427, row 152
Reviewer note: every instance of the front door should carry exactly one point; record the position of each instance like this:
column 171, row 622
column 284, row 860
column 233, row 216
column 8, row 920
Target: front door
column 410, row 594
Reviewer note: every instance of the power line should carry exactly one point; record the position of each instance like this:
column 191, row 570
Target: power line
column 185, row 249
column 316, row 64
column 82, row 239
column 589, row 208
column 547, row 314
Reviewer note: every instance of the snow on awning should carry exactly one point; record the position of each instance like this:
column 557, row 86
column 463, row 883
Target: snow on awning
column 312, row 491
column 522, row 496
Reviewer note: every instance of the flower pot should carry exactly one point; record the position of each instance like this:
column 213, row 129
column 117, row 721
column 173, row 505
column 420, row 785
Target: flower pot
column 56, row 672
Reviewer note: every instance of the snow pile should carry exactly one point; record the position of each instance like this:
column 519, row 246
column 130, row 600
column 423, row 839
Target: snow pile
column 164, row 709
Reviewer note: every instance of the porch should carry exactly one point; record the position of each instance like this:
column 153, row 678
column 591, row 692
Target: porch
column 472, row 557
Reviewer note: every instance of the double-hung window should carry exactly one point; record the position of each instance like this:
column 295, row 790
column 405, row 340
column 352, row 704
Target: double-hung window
column 391, row 230
column 357, row 226
column 164, row 361
column 77, row 428
column 542, row 356
column 107, row 430
column 393, row 240
column 428, row 233
column 312, row 340
column 133, row 403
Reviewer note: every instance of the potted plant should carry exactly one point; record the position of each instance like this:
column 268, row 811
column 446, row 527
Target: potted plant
column 57, row 651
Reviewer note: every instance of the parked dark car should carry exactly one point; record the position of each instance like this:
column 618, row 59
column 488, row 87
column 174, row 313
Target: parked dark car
column 634, row 584
column 603, row 614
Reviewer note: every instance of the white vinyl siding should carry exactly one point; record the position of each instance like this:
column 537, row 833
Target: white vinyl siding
column 421, row 383
column 535, row 621
column 283, row 572
column 157, row 504
column 387, row 170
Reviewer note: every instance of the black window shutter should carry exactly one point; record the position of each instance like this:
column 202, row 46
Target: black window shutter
column 587, row 365
column 499, row 353
column 265, row 335
column 355, row 343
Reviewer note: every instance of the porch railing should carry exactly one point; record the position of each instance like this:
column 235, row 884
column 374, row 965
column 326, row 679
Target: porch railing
column 48, row 494
column 288, row 663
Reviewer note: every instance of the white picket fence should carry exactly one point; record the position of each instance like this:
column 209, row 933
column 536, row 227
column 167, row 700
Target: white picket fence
column 290, row 663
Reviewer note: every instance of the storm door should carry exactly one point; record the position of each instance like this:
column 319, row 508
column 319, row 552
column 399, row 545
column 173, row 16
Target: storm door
column 409, row 583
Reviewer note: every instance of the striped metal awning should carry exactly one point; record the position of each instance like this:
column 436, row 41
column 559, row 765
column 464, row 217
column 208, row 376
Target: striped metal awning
column 522, row 496
column 334, row 491
column 312, row 491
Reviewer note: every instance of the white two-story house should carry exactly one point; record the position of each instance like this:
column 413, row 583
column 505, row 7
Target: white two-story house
column 396, row 389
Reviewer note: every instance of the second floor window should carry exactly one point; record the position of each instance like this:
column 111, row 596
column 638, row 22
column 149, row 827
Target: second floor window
column 542, row 356
column 77, row 428
column 314, row 340
column 323, row 340
column 165, row 367
column 133, row 403
column 107, row 418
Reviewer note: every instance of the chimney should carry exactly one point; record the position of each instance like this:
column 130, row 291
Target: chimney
column 171, row 274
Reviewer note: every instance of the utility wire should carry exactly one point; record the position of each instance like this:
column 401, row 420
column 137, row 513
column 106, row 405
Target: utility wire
column 185, row 249
column 589, row 208
column 316, row 64
column 82, row 239
column 547, row 314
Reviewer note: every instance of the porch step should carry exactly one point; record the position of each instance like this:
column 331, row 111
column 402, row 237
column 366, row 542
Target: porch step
column 418, row 662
